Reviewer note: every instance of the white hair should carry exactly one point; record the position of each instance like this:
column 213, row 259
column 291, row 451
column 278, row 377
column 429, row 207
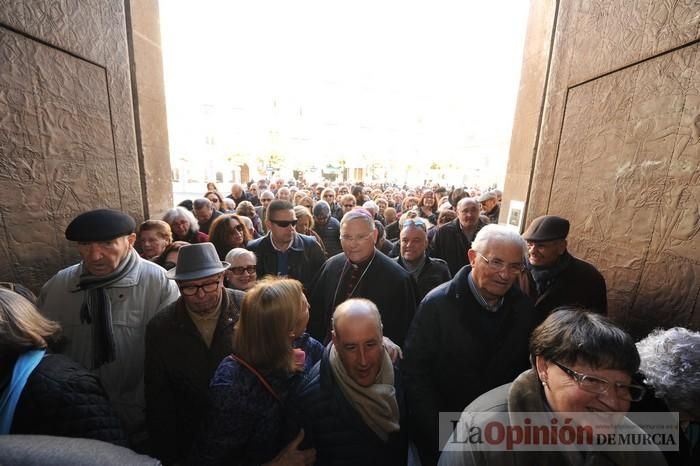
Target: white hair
column 248, row 222
column 670, row 362
column 496, row 232
column 235, row 253
column 177, row 213
column 357, row 214
column 370, row 205
column 230, row 203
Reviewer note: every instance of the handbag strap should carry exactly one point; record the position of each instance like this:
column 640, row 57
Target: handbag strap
column 258, row 375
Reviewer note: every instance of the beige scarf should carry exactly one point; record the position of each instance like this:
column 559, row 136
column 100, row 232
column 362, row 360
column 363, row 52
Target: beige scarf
column 376, row 404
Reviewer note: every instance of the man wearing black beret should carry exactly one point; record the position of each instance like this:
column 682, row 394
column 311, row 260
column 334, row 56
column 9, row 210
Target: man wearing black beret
column 554, row 277
column 104, row 303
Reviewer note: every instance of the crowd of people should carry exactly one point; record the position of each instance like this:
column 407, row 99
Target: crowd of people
column 329, row 324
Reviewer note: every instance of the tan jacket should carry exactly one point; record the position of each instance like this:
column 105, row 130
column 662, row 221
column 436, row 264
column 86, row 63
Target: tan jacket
column 525, row 395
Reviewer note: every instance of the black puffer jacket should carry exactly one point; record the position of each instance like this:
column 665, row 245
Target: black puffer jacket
column 63, row 398
column 333, row 426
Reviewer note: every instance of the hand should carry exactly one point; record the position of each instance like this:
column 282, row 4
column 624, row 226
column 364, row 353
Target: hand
column 393, row 349
column 292, row 456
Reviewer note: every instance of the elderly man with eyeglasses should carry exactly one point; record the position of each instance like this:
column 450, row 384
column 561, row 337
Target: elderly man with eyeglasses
column 554, row 277
column 428, row 272
column 184, row 345
column 282, row 251
column 469, row 335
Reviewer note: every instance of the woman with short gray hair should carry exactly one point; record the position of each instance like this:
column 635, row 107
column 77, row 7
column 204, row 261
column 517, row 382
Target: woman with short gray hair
column 184, row 226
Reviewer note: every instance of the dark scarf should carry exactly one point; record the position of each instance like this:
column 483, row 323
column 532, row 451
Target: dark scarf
column 545, row 276
column 97, row 309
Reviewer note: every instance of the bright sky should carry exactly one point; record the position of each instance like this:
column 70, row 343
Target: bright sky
column 384, row 80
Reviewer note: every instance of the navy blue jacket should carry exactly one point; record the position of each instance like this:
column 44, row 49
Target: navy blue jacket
column 63, row 398
column 305, row 258
column 336, row 429
column 456, row 350
column 244, row 423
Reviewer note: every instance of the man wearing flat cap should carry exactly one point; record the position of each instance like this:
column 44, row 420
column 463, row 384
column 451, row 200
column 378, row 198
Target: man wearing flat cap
column 554, row 277
column 103, row 304
column 184, row 345
column 490, row 206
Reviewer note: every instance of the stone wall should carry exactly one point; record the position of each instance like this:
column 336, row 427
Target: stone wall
column 617, row 151
column 67, row 128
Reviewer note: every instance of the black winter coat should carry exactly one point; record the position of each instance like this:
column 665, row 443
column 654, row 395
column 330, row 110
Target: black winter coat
column 456, row 350
column 450, row 245
column 305, row 258
column 337, row 431
column 580, row 284
column 62, row 398
column 434, row 273
column 330, row 235
column 385, row 283
column 178, row 369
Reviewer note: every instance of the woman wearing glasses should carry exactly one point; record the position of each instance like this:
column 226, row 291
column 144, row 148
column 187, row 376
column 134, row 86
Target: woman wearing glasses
column 242, row 273
column 216, row 199
column 228, row 232
column 581, row 376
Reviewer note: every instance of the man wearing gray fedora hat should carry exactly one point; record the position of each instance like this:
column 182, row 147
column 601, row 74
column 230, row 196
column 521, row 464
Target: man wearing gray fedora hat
column 553, row 277
column 184, row 346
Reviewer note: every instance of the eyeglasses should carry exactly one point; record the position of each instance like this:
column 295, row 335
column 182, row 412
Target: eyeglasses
column 498, row 265
column 251, row 269
column 214, row 201
column 349, row 239
column 600, row 386
column 418, row 222
column 348, row 206
column 284, row 223
column 193, row 289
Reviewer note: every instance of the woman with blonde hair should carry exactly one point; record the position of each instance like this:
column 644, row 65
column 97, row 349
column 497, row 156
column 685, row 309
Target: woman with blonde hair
column 305, row 224
column 245, row 422
column 43, row 393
